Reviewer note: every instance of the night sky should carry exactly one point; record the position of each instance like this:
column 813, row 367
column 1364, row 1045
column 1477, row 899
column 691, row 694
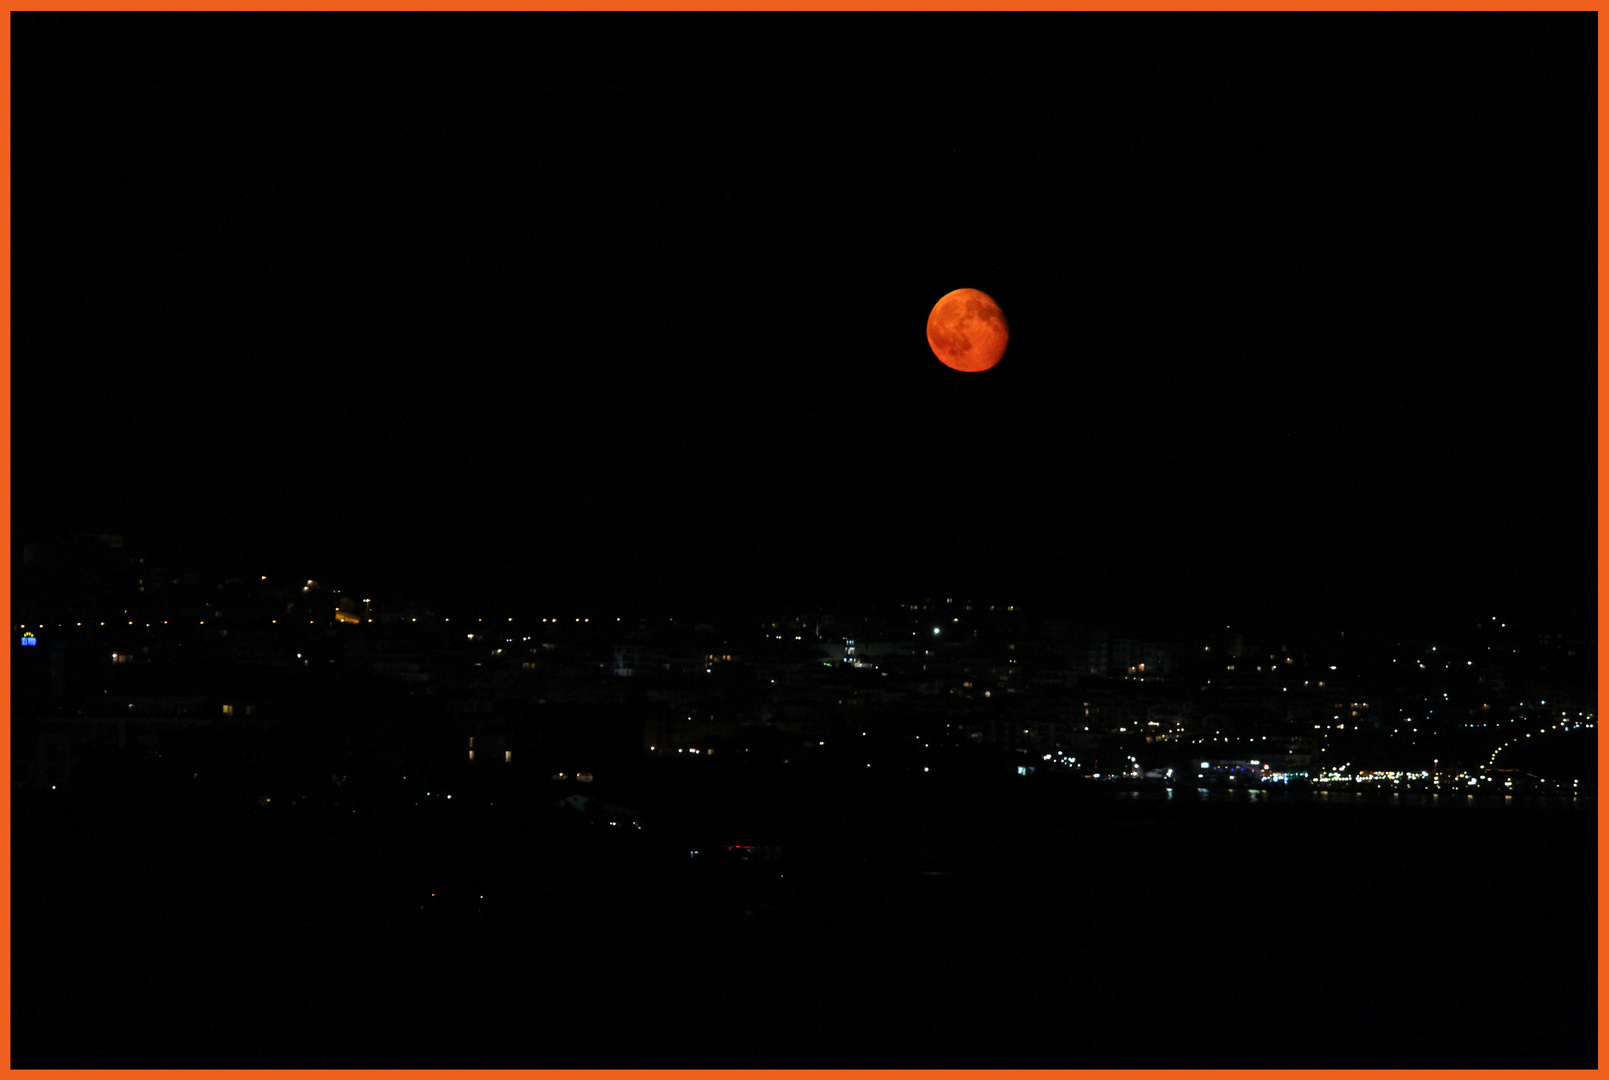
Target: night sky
column 563, row 309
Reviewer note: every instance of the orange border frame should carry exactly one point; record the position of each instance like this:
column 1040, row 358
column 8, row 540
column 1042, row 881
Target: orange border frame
column 698, row 5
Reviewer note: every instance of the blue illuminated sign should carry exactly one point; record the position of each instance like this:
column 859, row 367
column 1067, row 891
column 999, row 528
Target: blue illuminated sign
column 29, row 639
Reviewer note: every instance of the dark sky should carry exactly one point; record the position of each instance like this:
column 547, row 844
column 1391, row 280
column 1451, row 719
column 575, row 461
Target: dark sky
column 619, row 308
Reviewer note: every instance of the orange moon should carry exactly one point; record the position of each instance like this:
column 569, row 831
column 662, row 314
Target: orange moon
column 967, row 330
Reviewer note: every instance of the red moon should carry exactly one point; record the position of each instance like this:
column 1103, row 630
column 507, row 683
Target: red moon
column 967, row 330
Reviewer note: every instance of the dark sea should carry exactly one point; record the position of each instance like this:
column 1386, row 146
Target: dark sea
column 961, row 927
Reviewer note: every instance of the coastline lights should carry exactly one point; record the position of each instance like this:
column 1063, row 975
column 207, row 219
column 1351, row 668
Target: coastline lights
column 1562, row 725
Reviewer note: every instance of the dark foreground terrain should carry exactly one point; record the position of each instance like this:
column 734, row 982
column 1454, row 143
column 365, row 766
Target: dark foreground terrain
column 992, row 924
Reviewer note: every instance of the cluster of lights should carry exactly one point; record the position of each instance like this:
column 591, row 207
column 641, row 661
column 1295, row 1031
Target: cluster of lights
column 29, row 638
column 1562, row 725
column 1394, row 776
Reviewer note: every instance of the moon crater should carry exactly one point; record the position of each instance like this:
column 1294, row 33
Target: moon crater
column 967, row 330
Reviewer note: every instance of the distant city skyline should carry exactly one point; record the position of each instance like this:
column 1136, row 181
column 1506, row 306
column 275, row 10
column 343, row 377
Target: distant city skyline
column 81, row 599
column 445, row 596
